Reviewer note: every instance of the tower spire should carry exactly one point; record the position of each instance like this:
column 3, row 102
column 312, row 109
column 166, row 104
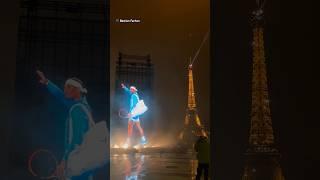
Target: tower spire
column 191, row 94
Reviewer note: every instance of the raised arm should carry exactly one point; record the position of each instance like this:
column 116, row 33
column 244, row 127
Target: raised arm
column 56, row 91
column 125, row 88
column 53, row 89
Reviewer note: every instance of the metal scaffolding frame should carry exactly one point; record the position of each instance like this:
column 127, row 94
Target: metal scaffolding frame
column 63, row 38
column 137, row 70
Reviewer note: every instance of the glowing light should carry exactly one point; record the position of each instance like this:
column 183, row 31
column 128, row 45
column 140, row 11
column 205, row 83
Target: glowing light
column 125, row 146
column 116, row 146
column 198, row 121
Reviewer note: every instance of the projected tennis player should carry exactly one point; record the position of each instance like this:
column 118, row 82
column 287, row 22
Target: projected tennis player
column 73, row 97
column 133, row 120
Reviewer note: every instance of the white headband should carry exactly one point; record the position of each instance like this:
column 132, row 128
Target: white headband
column 76, row 84
column 134, row 88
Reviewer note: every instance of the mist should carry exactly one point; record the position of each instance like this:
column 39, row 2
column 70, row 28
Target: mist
column 171, row 32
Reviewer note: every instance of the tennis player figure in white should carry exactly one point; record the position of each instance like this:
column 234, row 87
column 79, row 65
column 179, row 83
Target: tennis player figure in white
column 133, row 120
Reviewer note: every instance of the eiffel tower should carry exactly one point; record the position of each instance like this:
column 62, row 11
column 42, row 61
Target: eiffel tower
column 262, row 157
column 192, row 124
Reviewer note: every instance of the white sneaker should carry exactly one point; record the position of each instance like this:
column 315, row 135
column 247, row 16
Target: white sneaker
column 143, row 140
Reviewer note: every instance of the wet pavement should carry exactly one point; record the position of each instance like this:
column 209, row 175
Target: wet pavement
column 153, row 166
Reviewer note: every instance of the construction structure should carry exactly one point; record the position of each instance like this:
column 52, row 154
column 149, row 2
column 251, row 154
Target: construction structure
column 138, row 71
column 63, row 39
column 192, row 124
column 262, row 156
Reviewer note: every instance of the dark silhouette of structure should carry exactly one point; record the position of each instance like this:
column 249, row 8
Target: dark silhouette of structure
column 262, row 156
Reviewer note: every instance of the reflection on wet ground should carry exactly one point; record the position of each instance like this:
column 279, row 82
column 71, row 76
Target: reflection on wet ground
column 154, row 166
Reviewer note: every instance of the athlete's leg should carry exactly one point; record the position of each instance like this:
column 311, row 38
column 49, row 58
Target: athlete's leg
column 139, row 128
column 143, row 138
column 130, row 125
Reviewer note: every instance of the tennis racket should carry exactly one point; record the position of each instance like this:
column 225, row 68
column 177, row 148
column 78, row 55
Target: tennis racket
column 42, row 164
column 123, row 114
column 138, row 110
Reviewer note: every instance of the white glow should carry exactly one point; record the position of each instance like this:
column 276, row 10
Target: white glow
column 125, row 146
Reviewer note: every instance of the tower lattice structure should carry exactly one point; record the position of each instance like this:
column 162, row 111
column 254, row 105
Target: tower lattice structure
column 262, row 157
column 192, row 124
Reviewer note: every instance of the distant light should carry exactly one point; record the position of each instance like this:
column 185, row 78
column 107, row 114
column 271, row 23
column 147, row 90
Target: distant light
column 125, row 146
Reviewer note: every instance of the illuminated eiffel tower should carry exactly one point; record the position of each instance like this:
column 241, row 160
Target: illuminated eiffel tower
column 262, row 157
column 192, row 124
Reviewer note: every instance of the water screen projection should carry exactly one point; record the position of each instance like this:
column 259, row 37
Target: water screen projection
column 137, row 108
column 59, row 126
column 86, row 142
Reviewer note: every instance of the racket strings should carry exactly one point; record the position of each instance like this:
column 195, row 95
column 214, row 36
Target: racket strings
column 123, row 113
column 42, row 163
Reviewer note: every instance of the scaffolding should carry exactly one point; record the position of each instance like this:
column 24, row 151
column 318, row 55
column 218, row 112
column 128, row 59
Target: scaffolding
column 63, row 39
column 137, row 70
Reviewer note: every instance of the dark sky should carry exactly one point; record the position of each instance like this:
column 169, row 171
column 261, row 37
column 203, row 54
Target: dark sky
column 8, row 36
column 171, row 32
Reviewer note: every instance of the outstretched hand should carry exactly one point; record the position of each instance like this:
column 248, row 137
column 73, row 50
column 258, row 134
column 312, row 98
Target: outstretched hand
column 43, row 79
column 129, row 115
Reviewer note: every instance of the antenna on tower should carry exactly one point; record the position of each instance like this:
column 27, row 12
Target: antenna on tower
column 261, row 3
column 258, row 13
column 197, row 53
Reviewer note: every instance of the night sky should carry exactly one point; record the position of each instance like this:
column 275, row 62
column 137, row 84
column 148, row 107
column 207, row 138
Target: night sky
column 171, row 32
